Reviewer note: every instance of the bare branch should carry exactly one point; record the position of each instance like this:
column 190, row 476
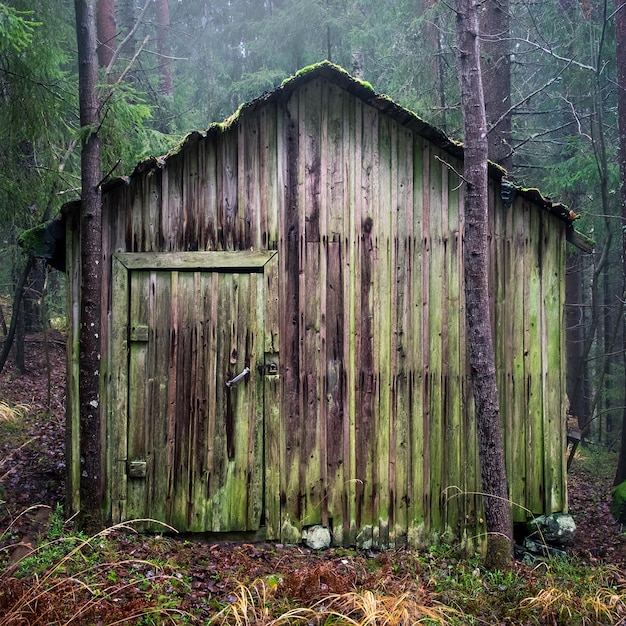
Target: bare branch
column 528, row 97
column 132, row 61
column 575, row 116
column 128, row 37
column 553, row 54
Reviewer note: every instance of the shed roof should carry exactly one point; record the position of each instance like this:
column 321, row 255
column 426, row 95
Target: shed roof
column 364, row 91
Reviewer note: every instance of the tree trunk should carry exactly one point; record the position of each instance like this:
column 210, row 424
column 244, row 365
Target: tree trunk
column 32, row 299
column 620, row 37
column 575, row 337
column 479, row 333
column 15, row 314
column 127, row 18
column 107, row 30
column 163, row 27
column 496, row 74
column 91, row 487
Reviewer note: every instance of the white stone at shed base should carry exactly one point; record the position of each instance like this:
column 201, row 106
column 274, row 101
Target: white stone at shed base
column 317, row 537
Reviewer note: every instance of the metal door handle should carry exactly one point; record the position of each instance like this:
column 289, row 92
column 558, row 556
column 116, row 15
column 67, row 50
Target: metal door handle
column 232, row 381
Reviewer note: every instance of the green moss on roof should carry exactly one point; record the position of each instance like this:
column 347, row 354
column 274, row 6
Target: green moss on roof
column 229, row 121
column 327, row 64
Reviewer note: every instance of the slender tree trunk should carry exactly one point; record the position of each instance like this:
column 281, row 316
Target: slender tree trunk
column 91, row 487
column 17, row 305
column 496, row 74
column 433, row 34
column 575, row 336
column 127, row 17
column 163, row 27
column 479, row 339
column 620, row 37
column 107, row 30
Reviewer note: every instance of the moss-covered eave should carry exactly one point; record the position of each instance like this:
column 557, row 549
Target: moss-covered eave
column 559, row 210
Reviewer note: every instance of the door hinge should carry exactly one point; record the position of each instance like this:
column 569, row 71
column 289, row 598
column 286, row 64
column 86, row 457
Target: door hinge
column 137, row 469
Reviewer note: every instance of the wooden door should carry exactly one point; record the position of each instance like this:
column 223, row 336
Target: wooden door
column 195, row 378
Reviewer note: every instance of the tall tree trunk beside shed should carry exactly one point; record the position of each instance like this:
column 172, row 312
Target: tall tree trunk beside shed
column 620, row 38
column 479, row 329
column 163, row 27
column 91, row 481
column 107, row 29
column 496, row 75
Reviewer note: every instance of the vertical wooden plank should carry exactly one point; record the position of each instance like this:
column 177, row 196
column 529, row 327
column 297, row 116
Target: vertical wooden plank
column 172, row 406
column 365, row 433
column 152, row 198
column 533, row 361
column 249, row 213
column 135, row 237
column 241, row 459
column 416, row 382
column 190, row 201
column 500, row 276
column 180, row 386
column 214, row 430
column 552, row 330
column 289, row 285
column 138, row 414
column 274, row 436
column 352, row 121
column 427, row 245
column 208, row 203
column 313, row 460
column 507, row 303
column 118, row 407
column 456, row 442
column 227, row 195
column 197, row 407
column 336, row 312
column 105, row 357
column 234, row 509
column 176, row 219
column 158, row 364
column 383, row 208
column 320, row 205
column 402, row 285
column 255, row 357
column 269, row 177
column 437, row 314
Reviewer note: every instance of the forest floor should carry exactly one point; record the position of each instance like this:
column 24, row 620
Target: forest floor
column 50, row 573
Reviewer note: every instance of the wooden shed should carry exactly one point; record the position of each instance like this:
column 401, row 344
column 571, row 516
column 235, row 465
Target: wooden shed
column 283, row 335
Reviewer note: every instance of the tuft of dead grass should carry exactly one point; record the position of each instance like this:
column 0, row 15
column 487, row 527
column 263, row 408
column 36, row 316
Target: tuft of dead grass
column 253, row 605
column 602, row 606
column 12, row 413
column 368, row 608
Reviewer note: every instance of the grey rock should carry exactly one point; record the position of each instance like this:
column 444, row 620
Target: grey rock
column 557, row 529
column 543, row 550
column 317, row 537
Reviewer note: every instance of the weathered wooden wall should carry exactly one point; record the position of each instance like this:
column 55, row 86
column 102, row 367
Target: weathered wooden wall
column 370, row 426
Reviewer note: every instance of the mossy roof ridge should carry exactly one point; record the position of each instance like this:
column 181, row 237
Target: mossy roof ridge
column 324, row 70
column 327, row 70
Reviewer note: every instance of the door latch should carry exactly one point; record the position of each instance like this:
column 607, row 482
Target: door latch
column 232, row 381
column 268, row 368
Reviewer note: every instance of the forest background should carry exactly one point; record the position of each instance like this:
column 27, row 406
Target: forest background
column 166, row 68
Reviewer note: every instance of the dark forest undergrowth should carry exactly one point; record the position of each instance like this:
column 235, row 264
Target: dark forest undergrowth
column 50, row 573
